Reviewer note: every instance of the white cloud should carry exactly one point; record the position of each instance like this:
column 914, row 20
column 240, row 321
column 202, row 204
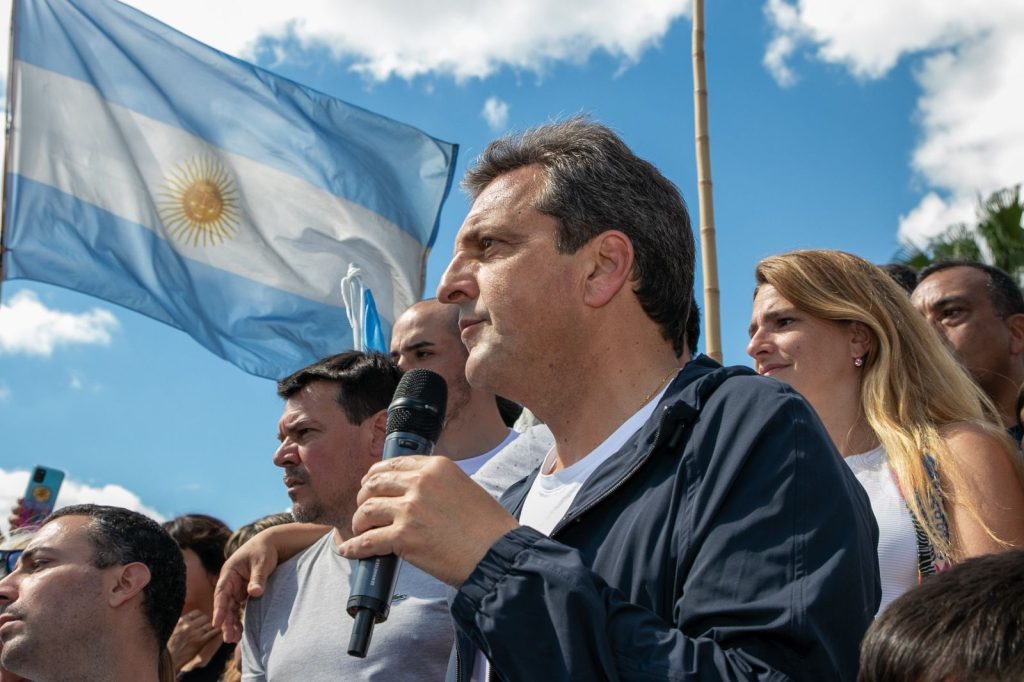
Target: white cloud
column 459, row 38
column 968, row 60
column 5, row 393
column 495, row 112
column 28, row 326
column 932, row 216
column 13, row 482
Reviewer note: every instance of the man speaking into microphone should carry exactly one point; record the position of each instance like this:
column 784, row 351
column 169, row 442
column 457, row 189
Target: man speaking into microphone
column 332, row 430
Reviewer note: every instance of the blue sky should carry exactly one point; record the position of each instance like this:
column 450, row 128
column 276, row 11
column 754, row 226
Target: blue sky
column 834, row 124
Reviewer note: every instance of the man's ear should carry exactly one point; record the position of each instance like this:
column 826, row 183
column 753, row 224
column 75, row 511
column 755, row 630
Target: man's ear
column 862, row 341
column 378, row 433
column 1015, row 323
column 611, row 264
column 129, row 580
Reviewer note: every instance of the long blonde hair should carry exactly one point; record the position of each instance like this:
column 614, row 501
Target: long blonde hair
column 911, row 385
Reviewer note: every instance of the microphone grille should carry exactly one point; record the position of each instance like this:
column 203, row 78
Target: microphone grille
column 419, row 404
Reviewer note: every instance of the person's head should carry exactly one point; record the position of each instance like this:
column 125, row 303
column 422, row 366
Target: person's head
column 979, row 310
column 332, row 430
column 563, row 215
column 10, row 552
column 201, row 539
column 902, row 274
column 828, row 321
column 95, row 581
column 246, row 532
column 962, row 625
column 426, row 336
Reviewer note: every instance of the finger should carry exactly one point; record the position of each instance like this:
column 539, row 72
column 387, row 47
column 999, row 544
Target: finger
column 231, row 627
column 376, row 512
column 258, row 577
column 406, row 463
column 210, row 633
column 387, row 483
column 374, row 542
column 226, row 596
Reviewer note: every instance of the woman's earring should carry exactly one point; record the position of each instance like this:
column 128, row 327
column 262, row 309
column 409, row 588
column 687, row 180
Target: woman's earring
column 858, row 362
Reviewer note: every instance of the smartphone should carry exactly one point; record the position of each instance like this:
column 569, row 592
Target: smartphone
column 40, row 495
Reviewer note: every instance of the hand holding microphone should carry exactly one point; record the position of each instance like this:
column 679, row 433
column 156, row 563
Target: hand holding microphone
column 415, row 420
column 426, row 510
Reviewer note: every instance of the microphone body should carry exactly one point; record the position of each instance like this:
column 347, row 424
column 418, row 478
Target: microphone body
column 415, row 418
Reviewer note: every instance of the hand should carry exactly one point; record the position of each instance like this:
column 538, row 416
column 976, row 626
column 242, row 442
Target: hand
column 243, row 575
column 193, row 631
column 17, row 518
column 427, row 511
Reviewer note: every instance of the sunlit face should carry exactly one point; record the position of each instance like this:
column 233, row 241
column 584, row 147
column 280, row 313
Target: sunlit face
column 957, row 303
column 515, row 292
column 426, row 336
column 53, row 602
column 324, row 457
column 810, row 354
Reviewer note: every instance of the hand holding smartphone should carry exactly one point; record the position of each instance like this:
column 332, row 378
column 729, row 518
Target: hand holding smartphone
column 40, row 496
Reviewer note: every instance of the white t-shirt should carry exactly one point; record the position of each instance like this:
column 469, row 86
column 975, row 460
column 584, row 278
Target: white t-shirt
column 897, row 539
column 552, row 494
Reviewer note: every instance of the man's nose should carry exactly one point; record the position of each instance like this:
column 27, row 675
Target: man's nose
column 457, row 283
column 286, row 454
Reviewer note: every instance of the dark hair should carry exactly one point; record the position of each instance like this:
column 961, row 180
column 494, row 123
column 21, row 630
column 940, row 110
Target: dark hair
column 693, row 327
column 366, row 382
column 594, row 183
column 902, row 274
column 1002, row 288
column 204, row 535
column 965, row 624
column 121, row 536
column 246, row 532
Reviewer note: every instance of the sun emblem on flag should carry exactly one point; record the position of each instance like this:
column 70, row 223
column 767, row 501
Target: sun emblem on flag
column 199, row 203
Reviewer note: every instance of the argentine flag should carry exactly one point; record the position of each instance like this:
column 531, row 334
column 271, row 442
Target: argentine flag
column 155, row 172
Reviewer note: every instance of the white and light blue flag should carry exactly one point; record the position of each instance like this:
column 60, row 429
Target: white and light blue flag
column 155, row 172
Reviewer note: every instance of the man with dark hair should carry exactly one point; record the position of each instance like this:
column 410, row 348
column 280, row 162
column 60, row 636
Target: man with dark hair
column 962, row 625
column 979, row 310
column 94, row 597
column 331, row 431
column 692, row 523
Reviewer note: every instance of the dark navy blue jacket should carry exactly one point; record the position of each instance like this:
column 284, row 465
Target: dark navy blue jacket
column 726, row 540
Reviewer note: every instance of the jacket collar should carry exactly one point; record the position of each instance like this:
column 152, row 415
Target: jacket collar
column 669, row 413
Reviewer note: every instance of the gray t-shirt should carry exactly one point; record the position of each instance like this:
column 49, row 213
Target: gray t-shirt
column 516, row 460
column 299, row 629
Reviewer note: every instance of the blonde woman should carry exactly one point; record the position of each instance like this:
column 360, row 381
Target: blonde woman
column 944, row 479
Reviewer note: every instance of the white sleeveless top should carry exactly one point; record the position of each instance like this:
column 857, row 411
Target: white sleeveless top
column 897, row 539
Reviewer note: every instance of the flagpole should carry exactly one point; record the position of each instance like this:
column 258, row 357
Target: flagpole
column 8, row 124
column 709, row 258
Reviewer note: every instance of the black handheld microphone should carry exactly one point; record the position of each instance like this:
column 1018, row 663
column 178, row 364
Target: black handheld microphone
column 415, row 418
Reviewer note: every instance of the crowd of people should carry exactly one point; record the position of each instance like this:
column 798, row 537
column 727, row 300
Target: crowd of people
column 850, row 509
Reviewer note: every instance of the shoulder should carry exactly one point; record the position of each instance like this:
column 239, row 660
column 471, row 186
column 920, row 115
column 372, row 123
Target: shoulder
column 977, row 449
column 308, row 562
column 737, row 392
